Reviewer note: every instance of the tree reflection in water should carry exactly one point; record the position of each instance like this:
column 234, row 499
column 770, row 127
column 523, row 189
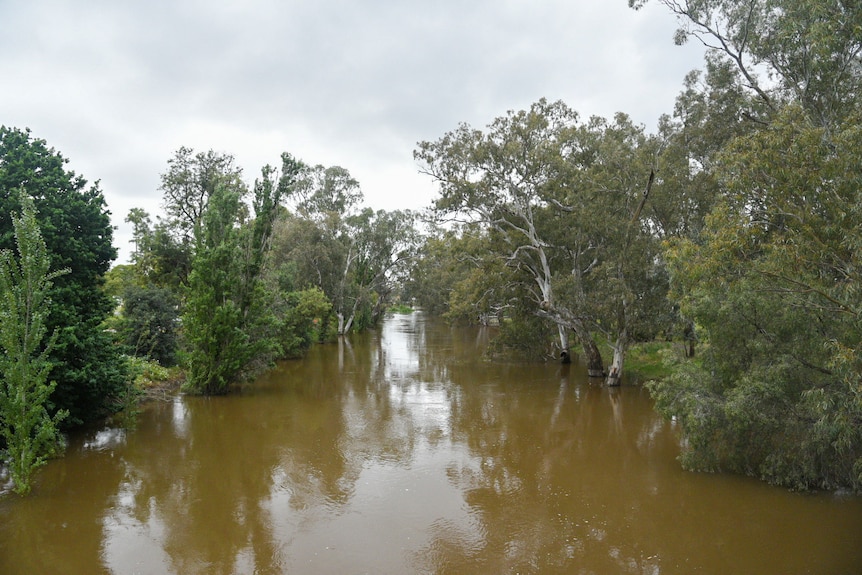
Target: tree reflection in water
column 402, row 451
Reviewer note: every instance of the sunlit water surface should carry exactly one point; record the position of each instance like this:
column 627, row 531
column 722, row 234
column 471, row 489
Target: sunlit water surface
column 403, row 451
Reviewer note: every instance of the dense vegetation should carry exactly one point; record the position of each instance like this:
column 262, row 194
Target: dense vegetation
column 77, row 232
column 28, row 431
column 735, row 227
column 305, row 264
column 733, row 230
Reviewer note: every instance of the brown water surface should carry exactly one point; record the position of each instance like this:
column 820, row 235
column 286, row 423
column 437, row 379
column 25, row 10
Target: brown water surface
column 404, row 452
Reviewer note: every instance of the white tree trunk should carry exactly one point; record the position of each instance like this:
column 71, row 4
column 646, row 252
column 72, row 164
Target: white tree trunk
column 620, row 347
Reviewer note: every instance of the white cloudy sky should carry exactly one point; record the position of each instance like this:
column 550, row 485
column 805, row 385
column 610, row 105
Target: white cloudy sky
column 117, row 86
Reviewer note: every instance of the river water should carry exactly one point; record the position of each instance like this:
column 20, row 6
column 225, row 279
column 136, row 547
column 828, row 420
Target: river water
column 401, row 452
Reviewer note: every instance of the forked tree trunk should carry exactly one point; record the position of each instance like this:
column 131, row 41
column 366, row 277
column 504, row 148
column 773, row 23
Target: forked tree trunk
column 565, row 321
column 342, row 328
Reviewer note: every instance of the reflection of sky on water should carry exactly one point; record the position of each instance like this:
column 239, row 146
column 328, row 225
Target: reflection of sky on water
column 401, row 342
column 400, row 493
column 382, row 525
column 425, row 406
column 104, row 439
column 407, row 471
column 129, row 541
column 179, row 417
column 401, row 498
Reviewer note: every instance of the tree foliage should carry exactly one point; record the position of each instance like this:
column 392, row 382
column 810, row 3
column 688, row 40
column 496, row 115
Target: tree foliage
column 770, row 280
column 783, row 51
column 778, row 395
column 150, row 328
column 559, row 198
column 77, row 232
column 303, row 315
column 353, row 254
column 446, row 263
column 29, row 433
column 228, row 319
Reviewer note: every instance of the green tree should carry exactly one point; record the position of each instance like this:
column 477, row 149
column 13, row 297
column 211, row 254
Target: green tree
column 444, row 259
column 119, row 278
column 149, row 325
column 380, row 246
column 228, row 320
column 351, row 253
column 768, row 276
column 802, row 51
column 303, row 313
column 190, row 181
column 626, row 290
column 509, row 179
column 141, row 231
column 213, row 322
column 166, row 257
column 30, row 434
column 778, row 394
column 89, row 370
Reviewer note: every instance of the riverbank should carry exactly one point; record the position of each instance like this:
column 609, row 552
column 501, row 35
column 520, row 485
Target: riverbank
column 155, row 382
column 651, row 361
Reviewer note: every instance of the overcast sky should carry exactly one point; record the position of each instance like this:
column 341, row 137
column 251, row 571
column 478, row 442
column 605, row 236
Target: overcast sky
column 118, row 86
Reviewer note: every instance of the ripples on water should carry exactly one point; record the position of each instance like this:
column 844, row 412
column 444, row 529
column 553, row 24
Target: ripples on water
column 403, row 451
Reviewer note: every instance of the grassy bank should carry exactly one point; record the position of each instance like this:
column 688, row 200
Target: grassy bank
column 651, row 360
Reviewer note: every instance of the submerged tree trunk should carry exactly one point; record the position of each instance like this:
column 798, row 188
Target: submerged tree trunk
column 620, row 347
column 564, row 343
column 565, row 321
column 595, row 365
column 345, row 323
column 348, row 325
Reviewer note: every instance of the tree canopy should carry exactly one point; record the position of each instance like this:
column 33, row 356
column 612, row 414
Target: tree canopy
column 76, row 228
column 769, row 280
column 559, row 199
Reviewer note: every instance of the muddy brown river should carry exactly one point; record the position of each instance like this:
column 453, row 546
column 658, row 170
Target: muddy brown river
column 401, row 452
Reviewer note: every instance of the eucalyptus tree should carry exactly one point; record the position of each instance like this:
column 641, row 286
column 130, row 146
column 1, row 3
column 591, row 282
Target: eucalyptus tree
column 323, row 193
column 187, row 185
column 448, row 273
column 141, row 230
column 508, row 179
column 355, row 260
column 189, row 182
column 773, row 286
column 380, row 247
column 311, row 243
column 770, row 279
column 803, row 51
column 562, row 196
column 625, row 291
column 330, row 241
